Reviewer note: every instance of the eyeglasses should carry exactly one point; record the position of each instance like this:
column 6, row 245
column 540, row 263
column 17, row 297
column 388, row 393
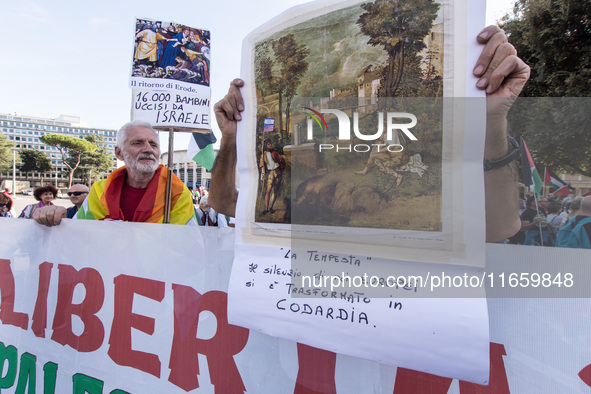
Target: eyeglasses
column 70, row 194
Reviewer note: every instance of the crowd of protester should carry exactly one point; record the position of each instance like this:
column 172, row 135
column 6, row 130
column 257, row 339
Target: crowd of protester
column 206, row 215
column 545, row 221
column 555, row 221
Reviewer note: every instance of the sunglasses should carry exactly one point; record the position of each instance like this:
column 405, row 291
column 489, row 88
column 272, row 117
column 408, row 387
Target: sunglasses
column 3, row 205
column 70, row 194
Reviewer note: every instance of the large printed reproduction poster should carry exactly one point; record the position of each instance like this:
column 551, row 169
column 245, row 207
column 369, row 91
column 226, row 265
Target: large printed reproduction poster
column 366, row 151
column 356, row 188
column 170, row 75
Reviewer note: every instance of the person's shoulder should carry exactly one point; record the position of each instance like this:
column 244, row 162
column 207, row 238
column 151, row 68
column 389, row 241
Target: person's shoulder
column 71, row 212
column 528, row 214
column 582, row 218
column 99, row 185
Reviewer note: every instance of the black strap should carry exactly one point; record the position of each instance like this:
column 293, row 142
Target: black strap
column 503, row 161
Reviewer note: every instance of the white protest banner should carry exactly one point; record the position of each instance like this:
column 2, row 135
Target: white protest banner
column 170, row 75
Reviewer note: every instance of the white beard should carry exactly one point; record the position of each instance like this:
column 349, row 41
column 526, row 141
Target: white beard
column 134, row 164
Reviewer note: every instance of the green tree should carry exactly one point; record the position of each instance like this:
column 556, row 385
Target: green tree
column 554, row 38
column 34, row 160
column 69, row 146
column 399, row 26
column 6, row 154
column 556, row 131
column 280, row 65
column 291, row 58
column 266, row 81
column 93, row 164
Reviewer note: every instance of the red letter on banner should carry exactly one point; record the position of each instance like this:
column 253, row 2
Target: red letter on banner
column 120, row 349
column 40, row 312
column 219, row 350
column 7, row 313
column 585, row 375
column 316, row 373
column 497, row 383
column 413, row 382
column 94, row 332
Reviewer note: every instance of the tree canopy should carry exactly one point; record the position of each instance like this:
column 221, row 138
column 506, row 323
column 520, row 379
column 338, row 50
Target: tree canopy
column 93, row 164
column 554, row 38
column 34, row 160
column 281, row 63
column 69, row 146
column 5, row 153
column 397, row 25
column 291, row 57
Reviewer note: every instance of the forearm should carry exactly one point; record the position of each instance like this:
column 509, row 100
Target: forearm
column 500, row 185
column 223, row 193
column 525, row 225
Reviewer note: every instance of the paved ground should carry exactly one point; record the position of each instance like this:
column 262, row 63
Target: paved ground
column 20, row 202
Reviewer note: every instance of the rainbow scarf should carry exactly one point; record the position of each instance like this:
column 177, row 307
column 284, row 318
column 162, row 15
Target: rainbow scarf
column 103, row 201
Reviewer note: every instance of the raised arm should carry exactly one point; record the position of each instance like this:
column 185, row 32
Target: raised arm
column 502, row 75
column 222, row 191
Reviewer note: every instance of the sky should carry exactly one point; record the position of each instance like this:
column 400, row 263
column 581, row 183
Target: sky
column 66, row 57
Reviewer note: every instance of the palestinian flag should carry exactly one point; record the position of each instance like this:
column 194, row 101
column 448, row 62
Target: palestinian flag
column 530, row 173
column 200, row 149
column 558, row 186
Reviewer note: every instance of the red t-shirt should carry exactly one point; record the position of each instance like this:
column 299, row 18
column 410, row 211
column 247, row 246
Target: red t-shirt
column 130, row 199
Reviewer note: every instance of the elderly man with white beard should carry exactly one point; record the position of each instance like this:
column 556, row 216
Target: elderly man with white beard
column 135, row 192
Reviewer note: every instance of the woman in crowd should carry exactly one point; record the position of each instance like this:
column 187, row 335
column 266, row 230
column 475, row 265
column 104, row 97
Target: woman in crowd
column 5, row 205
column 43, row 194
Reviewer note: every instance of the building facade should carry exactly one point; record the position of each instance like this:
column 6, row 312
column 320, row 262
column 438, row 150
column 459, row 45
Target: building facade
column 24, row 132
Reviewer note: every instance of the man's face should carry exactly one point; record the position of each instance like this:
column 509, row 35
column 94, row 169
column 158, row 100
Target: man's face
column 77, row 194
column 204, row 206
column 543, row 202
column 268, row 145
column 141, row 150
